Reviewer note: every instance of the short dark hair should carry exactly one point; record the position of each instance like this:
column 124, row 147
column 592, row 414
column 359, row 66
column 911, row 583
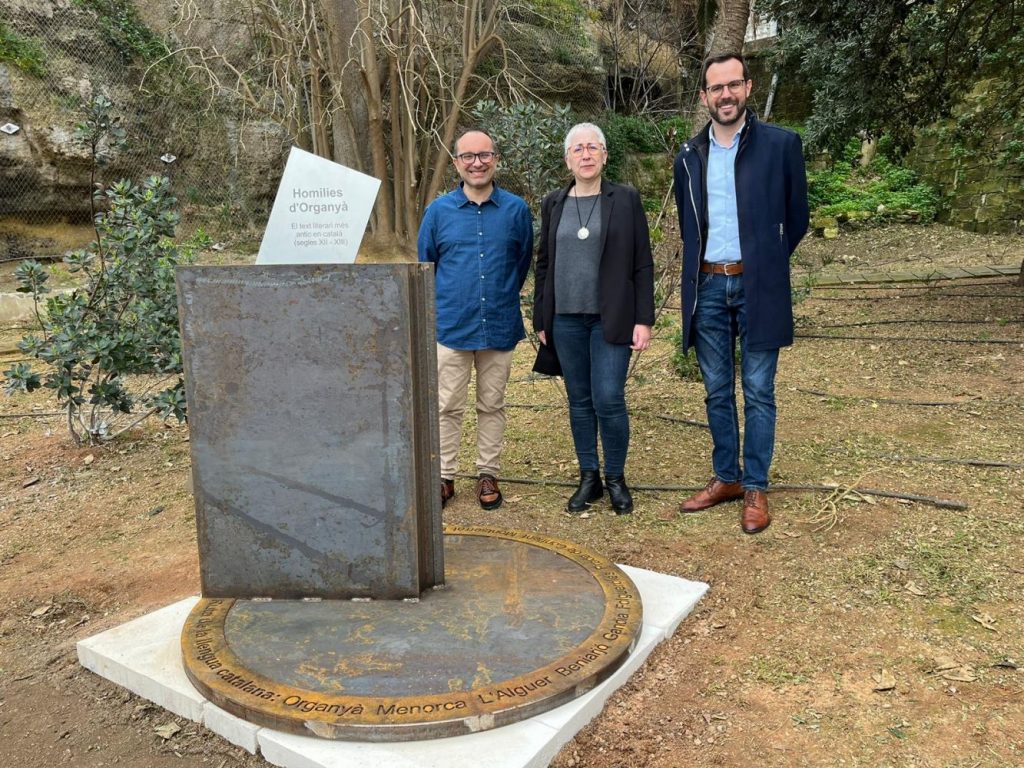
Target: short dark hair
column 455, row 146
column 719, row 58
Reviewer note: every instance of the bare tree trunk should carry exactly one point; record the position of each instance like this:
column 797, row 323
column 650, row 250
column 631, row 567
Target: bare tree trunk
column 730, row 26
column 351, row 119
column 726, row 35
column 399, row 157
column 384, row 211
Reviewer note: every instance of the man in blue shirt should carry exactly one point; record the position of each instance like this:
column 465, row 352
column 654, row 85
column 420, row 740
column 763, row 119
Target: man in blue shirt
column 480, row 240
column 741, row 190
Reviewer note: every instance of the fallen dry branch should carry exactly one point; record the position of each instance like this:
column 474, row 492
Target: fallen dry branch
column 929, row 500
column 827, row 515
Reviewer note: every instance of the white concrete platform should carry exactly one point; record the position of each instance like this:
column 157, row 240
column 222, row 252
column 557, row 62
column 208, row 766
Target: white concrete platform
column 144, row 656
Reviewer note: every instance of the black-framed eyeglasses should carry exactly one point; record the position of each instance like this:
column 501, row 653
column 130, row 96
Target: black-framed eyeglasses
column 577, row 149
column 734, row 86
column 483, row 157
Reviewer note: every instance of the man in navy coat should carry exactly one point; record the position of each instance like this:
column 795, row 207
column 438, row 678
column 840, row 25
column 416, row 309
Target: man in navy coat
column 741, row 189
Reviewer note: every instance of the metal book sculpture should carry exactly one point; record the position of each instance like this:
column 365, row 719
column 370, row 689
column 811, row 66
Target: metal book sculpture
column 334, row 602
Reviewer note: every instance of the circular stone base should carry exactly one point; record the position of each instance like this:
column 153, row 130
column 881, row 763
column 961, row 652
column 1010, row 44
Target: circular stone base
column 523, row 624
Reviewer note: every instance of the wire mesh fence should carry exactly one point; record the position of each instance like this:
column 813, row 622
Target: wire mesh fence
column 222, row 157
column 72, row 55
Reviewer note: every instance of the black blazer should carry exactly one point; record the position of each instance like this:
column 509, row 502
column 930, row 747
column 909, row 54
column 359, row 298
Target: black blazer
column 625, row 275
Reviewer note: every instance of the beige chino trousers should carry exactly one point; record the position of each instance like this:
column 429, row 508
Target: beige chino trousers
column 454, row 367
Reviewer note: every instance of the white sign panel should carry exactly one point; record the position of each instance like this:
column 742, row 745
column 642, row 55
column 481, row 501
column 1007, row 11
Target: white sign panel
column 319, row 214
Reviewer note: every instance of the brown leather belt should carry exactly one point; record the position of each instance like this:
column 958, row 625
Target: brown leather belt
column 730, row 268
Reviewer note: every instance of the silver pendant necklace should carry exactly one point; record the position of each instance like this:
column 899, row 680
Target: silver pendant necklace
column 583, row 233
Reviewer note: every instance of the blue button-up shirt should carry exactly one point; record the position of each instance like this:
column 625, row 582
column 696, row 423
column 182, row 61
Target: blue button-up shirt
column 723, row 221
column 481, row 255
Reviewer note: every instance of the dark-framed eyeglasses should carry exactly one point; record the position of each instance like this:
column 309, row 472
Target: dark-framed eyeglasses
column 734, row 86
column 576, row 150
column 469, row 157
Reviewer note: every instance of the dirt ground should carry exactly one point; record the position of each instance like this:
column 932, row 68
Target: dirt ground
column 858, row 630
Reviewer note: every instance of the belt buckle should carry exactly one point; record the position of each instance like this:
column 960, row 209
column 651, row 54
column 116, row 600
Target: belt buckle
column 727, row 269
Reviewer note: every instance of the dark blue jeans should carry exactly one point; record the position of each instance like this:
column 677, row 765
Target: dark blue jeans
column 595, row 380
column 719, row 319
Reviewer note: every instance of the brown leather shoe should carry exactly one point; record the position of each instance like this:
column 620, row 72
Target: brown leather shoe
column 755, row 517
column 487, row 492
column 715, row 492
column 447, row 491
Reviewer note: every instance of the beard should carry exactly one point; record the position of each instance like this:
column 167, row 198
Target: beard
column 739, row 102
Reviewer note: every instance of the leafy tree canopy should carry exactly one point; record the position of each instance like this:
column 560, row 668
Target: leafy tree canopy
column 888, row 66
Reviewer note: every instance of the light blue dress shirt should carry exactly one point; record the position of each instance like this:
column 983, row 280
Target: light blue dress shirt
column 723, row 221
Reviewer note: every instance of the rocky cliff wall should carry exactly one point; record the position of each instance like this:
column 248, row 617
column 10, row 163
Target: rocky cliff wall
column 222, row 159
column 45, row 173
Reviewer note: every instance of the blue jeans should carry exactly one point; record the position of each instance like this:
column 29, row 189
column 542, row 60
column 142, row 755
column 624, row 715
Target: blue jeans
column 595, row 381
column 719, row 318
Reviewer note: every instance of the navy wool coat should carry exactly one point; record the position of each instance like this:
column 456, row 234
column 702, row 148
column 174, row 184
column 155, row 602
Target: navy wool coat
column 771, row 203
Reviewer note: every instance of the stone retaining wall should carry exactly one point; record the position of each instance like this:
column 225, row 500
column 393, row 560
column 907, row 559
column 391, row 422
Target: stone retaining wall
column 976, row 162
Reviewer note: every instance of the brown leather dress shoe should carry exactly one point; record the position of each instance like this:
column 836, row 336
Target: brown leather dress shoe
column 755, row 517
column 487, row 492
column 447, row 491
column 715, row 492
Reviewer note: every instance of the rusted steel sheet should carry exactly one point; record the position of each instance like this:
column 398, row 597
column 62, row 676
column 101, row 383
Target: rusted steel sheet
column 525, row 623
column 313, row 420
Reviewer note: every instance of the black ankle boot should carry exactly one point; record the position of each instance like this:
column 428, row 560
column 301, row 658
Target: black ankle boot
column 618, row 492
column 589, row 490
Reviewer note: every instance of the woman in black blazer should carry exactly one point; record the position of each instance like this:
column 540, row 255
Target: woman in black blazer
column 593, row 306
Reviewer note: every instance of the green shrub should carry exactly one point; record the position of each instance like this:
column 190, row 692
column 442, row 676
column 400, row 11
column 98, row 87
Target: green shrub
column 674, row 131
column 887, row 148
column 627, row 135
column 1015, row 151
column 529, row 136
column 24, row 53
column 125, row 30
column 879, row 191
column 651, row 204
column 630, row 133
column 684, row 365
column 123, row 321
